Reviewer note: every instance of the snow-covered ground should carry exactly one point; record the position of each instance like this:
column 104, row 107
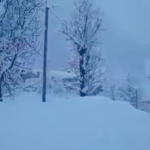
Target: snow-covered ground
column 92, row 123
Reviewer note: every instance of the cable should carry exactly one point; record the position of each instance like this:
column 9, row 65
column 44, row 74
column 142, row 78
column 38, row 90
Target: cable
column 58, row 18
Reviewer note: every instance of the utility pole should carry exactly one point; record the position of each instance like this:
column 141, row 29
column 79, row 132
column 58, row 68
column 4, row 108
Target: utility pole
column 45, row 55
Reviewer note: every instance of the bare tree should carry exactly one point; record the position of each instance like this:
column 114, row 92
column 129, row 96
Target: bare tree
column 84, row 34
column 19, row 29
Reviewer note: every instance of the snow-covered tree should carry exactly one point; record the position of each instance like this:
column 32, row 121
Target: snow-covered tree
column 84, row 34
column 110, row 87
column 128, row 92
column 19, row 28
column 113, row 92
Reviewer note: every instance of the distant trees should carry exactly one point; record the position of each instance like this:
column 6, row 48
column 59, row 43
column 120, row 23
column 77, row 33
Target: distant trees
column 19, row 29
column 129, row 92
column 124, row 90
column 84, row 34
column 112, row 90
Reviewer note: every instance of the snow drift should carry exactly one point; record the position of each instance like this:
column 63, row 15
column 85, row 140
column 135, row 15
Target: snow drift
column 90, row 123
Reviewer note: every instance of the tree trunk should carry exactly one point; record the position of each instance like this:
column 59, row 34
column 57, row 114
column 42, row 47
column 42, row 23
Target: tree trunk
column 1, row 93
column 82, row 72
column 136, row 99
column 1, row 79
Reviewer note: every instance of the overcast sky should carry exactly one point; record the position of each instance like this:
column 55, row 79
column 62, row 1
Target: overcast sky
column 127, row 35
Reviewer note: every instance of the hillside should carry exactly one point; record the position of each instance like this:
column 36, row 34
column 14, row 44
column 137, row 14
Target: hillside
column 75, row 123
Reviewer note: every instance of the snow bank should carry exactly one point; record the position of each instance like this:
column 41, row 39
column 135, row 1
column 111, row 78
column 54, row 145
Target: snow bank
column 91, row 123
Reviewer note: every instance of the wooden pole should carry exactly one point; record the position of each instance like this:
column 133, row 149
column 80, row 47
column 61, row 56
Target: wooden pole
column 45, row 55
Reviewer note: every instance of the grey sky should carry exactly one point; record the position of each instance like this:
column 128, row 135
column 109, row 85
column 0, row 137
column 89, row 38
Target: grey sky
column 127, row 35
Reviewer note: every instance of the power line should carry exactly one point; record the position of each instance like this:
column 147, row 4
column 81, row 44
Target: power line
column 62, row 22
column 59, row 19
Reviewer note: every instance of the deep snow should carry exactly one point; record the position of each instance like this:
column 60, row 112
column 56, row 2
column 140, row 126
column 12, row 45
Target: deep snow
column 93, row 123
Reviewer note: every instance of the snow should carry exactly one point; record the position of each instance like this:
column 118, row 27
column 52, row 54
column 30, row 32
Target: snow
column 61, row 74
column 55, row 73
column 73, row 123
column 55, row 82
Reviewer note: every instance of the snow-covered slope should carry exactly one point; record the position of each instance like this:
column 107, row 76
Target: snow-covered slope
column 93, row 123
